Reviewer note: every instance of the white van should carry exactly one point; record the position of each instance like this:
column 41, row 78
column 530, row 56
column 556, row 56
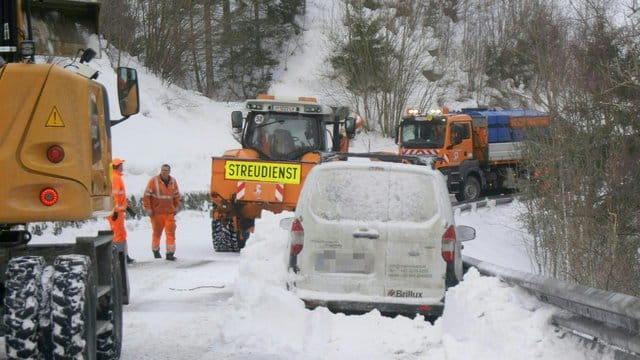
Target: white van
column 375, row 235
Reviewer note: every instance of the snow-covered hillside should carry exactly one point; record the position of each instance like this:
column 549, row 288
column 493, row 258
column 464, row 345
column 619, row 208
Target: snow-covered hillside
column 212, row 305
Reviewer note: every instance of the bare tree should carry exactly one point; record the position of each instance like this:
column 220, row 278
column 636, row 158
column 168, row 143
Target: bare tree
column 380, row 58
column 583, row 212
column 117, row 20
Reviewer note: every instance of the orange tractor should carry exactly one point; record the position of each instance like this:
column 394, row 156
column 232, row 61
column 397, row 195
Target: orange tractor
column 282, row 139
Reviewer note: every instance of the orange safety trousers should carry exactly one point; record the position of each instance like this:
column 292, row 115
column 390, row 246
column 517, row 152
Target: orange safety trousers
column 166, row 222
column 117, row 226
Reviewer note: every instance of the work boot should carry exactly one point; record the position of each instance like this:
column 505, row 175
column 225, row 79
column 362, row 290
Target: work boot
column 170, row 257
column 130, row 260
column 156, row 254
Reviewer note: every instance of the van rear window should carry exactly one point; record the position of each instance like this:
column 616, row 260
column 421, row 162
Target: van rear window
column 370, row 195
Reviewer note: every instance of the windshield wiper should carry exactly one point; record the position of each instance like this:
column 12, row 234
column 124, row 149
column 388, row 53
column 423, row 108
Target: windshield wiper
column 268, row 123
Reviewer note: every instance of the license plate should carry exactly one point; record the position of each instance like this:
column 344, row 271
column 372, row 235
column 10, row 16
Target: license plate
column 331, row 261
column 284, row 108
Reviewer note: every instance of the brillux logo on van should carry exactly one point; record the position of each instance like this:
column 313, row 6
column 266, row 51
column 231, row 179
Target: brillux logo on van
column 404, row 293
column 261, row 171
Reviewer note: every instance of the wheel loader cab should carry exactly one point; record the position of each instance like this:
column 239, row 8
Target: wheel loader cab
column 55, row 147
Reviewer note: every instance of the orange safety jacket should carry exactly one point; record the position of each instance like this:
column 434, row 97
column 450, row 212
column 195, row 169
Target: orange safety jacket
column 120, row 206
column 161, row 198
column 118, row 192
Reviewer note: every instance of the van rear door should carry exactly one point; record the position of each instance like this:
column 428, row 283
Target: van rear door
column 345, row 237
column 376, row 231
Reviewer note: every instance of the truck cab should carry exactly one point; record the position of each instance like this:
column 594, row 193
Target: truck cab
column 449, row 137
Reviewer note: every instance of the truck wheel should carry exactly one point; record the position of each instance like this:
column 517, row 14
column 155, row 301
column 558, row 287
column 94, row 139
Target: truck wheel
column 470, row 189
column 73, row 308
column 224, row 237
column 21, row 306
column 109, row 341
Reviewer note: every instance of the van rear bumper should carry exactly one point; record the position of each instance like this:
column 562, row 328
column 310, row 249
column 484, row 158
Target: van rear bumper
column 409, row 310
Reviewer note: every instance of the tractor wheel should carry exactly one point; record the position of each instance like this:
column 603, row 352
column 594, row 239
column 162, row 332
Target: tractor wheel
column 246, row 226
column 22, row 305
column 73, row 308
column 109, row 341
column 225, row 239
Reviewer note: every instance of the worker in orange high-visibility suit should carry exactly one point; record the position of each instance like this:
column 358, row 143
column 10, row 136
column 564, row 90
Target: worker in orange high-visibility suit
column 116, row 219
column 161, row 201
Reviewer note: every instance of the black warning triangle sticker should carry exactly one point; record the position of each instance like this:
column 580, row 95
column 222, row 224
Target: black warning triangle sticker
column 55, row 119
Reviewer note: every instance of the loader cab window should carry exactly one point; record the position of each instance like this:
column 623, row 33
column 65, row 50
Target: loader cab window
column 283, row 136
column 96, row 147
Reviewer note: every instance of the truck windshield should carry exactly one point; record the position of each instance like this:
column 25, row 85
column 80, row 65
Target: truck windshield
column 423, row 134
column 283, row 136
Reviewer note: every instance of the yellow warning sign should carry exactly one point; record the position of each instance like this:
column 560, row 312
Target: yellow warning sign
column 54, row 120
column 259, row 171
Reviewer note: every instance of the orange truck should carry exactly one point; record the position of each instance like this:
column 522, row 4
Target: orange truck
column 282, row 139
column 479, row 150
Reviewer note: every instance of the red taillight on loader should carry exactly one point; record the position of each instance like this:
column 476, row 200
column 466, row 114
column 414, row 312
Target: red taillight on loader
column 48, row 196
column 449, row 244
column 297, row 237
column 55, row 153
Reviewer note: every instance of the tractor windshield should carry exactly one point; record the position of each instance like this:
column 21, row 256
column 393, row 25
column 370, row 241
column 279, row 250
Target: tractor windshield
column 283, row 136
column 423, row 134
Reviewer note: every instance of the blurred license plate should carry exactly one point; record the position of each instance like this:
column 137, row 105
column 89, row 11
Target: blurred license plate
column 285, row 108
column 330, row 261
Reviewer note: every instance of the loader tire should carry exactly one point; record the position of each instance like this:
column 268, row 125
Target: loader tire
column 109, row 342
column 21, row 306
column 45, row 342
column 225, row 239
column 73, row 308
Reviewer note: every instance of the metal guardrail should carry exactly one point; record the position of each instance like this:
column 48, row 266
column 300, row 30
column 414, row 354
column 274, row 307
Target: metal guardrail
column 488, row 201
column 612, row 319
column 607, row 318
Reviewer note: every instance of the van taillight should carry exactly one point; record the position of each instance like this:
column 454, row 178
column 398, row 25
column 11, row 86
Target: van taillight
column 449, row 244
column 297, row 237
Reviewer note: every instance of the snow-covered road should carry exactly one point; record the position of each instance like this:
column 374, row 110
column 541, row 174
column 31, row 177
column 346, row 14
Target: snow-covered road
column 212, row 305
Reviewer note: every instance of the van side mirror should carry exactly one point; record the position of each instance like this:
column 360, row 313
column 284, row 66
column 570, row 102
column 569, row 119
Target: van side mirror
column 465, row 233
column 128, row 93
